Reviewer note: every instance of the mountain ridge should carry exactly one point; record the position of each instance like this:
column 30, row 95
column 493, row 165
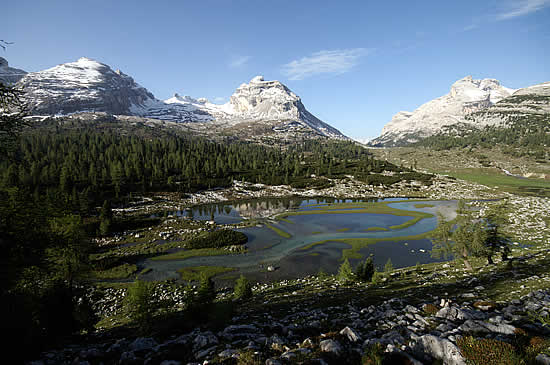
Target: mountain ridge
column 87, row 85
column 465, row 96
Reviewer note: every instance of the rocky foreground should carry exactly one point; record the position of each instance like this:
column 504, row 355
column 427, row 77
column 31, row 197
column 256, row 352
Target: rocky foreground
column 397, row 330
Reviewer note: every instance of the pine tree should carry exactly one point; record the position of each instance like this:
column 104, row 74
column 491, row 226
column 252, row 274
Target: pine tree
column 105, row 218
column 243, row 289
column 206, row 292
column 365, row 270
column 345, row 274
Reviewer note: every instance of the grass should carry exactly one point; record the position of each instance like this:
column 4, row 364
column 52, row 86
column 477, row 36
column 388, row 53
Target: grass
column 118, row 272
column 410, row 222
column 352, row 208
column 187, row 254
column 279, row 231
column 342, row 230
column 423, row 205
column 194, row 273
column 359, row 243
column 145, row 271
column 286, row 220
column 509, row 183
column 374, row 229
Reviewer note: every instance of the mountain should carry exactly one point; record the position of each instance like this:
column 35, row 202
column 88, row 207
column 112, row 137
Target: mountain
column 83, row 86
column 519, row 125
column 90, row 86
column 466, row 96
column 9, row 75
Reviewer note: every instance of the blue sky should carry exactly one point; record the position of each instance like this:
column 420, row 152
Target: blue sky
column 354, row 63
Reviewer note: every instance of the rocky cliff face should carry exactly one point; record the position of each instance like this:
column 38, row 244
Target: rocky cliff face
column 9, row 75
column 524, row 105
column 466, row 96
column 90, row 86
column 273, row 101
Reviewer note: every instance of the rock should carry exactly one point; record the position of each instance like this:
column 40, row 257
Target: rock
column 479, row 326
column 484, row 305
column 129, row 358
column 307, row 343
column 143, row 343
column 171, row 362
column 350, row 334
column 440, row 349
column 227, row 353
column 272, row 362
column 201, row 341
column 452, row 314
column 205, row 353
column 543, row 359
column 331, row 346
column 276, row 342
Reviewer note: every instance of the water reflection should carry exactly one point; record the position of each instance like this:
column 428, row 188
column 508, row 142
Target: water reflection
column 267, row 247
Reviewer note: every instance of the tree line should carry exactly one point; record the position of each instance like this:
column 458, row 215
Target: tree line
column 523, row 136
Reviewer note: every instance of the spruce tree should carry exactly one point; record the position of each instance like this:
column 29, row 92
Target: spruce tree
column 345, row 274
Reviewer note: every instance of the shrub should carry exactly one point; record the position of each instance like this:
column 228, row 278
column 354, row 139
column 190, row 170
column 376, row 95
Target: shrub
column 322, row 275
column 218, row 239
column 243, row 289
column 374, row 355
column 377, row 277
column 487, row 351
column 430, row 309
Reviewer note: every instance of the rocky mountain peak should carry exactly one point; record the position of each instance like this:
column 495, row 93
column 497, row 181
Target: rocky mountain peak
column 467, row 95
column 266, row 100
column 256, row 79
column 83, row 85
column 87, row 85
column 9, row 75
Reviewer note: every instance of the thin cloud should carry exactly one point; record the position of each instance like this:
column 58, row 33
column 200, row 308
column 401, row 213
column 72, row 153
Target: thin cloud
column 324, row 62
column 522, row 7
column 239, row 61
column 470, row 27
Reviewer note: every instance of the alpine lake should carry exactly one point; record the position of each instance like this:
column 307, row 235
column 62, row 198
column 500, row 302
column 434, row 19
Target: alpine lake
column 295, row 237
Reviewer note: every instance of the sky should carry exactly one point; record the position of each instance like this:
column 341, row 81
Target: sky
column 354, row 63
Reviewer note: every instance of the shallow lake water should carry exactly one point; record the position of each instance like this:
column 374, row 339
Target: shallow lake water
column 267, row 248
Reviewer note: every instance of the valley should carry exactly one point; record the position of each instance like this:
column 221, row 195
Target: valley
column 137, row 230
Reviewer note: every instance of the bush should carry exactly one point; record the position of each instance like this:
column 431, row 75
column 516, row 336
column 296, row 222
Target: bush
column 365, row 270
column 218, row 239
column 243, row 289
column 430, row 309
column 322, row 275
column 487, row 351
column 374, row 355
column 139, row 304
